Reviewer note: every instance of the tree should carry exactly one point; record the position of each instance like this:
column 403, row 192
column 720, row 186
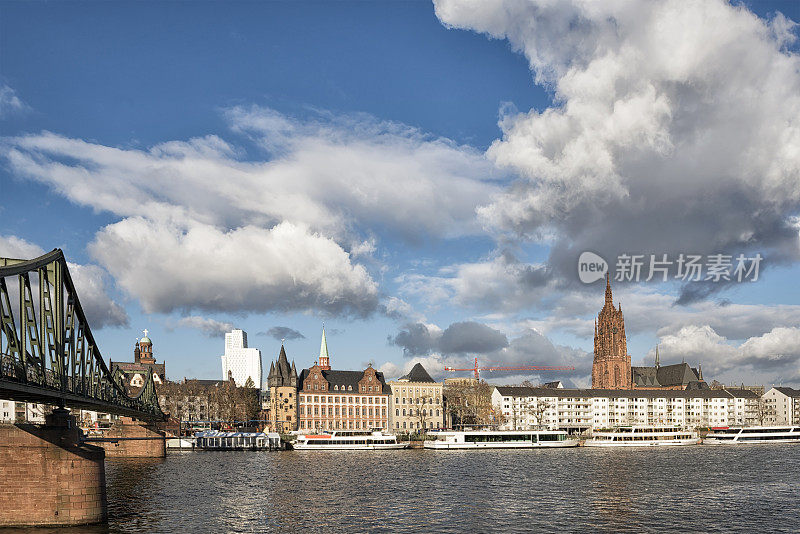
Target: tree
column 249, row 384
column 538, row 410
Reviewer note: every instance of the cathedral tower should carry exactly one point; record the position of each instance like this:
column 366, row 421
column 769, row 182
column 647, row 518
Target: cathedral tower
column 612, row 363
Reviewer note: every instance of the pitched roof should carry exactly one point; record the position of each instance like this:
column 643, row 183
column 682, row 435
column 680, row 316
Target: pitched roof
column 521, row 391
column 417, row 374
column 679, row 374
column 789, row 392
column 743, row 393
column 345, row 379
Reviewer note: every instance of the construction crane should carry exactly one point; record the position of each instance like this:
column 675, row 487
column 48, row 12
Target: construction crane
column 476, row 370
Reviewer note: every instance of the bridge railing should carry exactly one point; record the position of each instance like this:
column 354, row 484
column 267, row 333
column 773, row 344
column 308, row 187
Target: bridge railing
column 46, row 343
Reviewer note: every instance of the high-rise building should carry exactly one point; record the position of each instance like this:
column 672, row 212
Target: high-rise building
column 241, row 362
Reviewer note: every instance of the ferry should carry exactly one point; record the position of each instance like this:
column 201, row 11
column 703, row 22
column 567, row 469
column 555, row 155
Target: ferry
column 753, row 434
column 642, row 436
column 501, row 439
column 351, row 440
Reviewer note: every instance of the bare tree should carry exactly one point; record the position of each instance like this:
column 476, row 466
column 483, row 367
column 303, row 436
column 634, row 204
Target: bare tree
column 538, row 410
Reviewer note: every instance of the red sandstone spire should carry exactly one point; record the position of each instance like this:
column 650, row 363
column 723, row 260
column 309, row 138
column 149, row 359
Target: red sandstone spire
column 609, row 301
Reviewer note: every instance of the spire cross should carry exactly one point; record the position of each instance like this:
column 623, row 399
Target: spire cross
column 145, row 332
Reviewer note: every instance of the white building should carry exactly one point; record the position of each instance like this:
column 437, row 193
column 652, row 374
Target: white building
column 585, row 409
column 240, row 361
column 782, row 406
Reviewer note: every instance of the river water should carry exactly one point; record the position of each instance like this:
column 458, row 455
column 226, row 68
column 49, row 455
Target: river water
column 697, row 489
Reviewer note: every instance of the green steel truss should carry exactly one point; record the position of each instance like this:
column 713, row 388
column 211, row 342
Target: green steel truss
column 47, row 351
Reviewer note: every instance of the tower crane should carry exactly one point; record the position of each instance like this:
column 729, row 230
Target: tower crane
column 476, row 369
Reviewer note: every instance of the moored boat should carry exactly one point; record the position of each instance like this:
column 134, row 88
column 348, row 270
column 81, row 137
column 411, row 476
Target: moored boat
column 352, row 440
column 213, row 440
column 500, row 439
column 754, row 434
column 642, row 436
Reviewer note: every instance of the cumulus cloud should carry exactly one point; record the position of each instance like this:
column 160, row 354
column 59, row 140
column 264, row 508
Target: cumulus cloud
column 675, row 128
column 90, row 282
column 501, row 284
column 283, row 332
column 199, row 266
column 773, row 357
column 458, row 338
column 209, row 327
column 203, row 229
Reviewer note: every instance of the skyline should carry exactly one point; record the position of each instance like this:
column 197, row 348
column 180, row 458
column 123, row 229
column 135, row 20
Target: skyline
column 422, row 178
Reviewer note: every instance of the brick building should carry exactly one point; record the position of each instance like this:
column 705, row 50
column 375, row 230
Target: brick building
column 612, row 368
column 337, row 400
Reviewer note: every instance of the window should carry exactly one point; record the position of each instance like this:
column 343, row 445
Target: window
column 397, row 412
column 335, row 387
column 349, row 388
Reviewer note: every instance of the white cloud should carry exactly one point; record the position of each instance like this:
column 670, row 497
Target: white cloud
column 9, row 102
column 209, row 327
column 675, row 127
column 90, row 282
column 202, row 229
column 170, row 267
column 330, row 175
column 773, row 357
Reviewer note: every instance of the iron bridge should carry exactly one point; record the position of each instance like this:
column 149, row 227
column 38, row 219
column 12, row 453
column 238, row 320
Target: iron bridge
column 48, row 354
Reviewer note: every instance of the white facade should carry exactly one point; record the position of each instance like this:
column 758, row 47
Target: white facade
column 573, row 409
column 782, row 406
column 241, row 361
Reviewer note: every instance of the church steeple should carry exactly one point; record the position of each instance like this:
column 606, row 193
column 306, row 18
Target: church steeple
column 324, row 358
column 658, row 362
column 611, row 368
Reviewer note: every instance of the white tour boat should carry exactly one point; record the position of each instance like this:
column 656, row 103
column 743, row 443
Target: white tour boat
column 370, row 440
column 753, row 434
column 501, row 439
column 642, row 436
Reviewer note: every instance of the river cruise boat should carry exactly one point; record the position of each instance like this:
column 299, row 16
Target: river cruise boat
column 753, row 434
column 213, row 440
column 501, row 439
column 351, row 440
column 642, row 436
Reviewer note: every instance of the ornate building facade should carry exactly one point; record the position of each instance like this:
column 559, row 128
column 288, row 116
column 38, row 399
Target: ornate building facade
column 612, row 363
column 416, row 402
column 338, row 400
column 144, row 363
column 282, row 384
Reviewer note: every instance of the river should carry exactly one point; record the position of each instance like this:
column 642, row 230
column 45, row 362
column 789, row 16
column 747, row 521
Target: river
column 699, row 489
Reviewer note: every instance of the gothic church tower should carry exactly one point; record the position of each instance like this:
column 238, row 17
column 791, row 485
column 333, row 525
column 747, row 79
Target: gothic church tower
column 612, row 363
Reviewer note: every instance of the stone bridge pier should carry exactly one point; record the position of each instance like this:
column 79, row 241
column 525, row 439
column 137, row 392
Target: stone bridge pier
column 50, row 478
column 136, row 440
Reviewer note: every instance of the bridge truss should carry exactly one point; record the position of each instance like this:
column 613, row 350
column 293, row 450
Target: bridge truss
column 47, row 351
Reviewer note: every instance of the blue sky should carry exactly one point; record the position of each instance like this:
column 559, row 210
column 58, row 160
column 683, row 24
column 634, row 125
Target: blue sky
column 419, row 176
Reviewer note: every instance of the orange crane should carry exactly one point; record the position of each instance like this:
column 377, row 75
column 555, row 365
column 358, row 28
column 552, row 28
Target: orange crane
column 476, row 370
